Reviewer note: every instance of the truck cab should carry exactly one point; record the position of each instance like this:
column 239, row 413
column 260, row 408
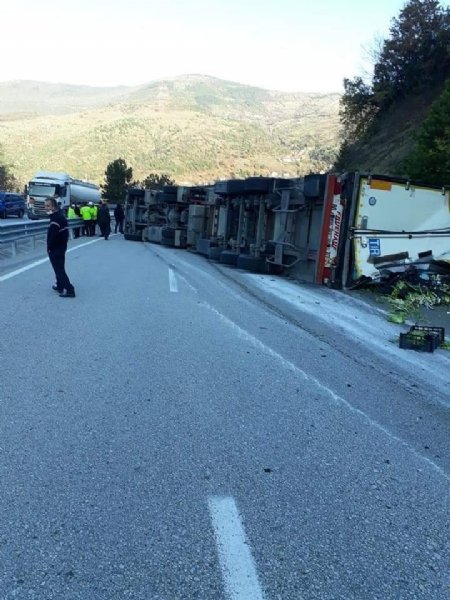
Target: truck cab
column 60, row 185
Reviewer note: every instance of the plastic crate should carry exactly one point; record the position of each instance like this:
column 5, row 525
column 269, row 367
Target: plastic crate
column 416, row 341
column 439, row 332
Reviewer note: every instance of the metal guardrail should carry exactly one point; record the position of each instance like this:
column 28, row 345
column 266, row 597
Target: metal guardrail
column 18, row 238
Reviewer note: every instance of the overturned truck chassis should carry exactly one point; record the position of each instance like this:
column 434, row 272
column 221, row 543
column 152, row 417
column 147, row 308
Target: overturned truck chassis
column 340, row 230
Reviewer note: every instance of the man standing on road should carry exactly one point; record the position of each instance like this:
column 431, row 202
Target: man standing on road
column 57, row 237
column 118, row 215
column 104, row 220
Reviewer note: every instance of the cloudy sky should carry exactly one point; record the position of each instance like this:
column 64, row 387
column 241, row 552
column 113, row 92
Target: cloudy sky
column 289, row 45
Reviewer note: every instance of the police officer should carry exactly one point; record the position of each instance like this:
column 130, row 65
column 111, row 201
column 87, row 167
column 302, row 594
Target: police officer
column 57, row 237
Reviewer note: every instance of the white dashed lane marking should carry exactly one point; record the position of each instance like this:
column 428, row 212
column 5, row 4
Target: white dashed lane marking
column 236, row 560
column 173, row 285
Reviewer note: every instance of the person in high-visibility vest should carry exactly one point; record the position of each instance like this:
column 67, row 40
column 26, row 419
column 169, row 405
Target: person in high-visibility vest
column 85, row 211
column 94, row 210
column 71, row 214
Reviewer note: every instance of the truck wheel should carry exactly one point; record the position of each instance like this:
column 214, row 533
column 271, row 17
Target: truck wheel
column 214, row 252
column 250, row 263
column 203, row 246
column 167, row 235
column 133, row 237
column 228, row 257
column 258, row 185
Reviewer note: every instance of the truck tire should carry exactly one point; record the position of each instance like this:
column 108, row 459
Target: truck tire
column 229, row 257
column 214, row 253
column 170, row 189
column 230, row 187
column 167, row 235
column 133, row 237
column 258, row 185
column 203, row 246
column 167, row 198
column 250, row 263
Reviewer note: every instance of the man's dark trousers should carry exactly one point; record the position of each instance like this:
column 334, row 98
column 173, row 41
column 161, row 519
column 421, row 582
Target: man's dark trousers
column 58, row 258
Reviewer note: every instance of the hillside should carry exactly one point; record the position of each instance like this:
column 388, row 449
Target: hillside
column 195, row 128
column 388, row 143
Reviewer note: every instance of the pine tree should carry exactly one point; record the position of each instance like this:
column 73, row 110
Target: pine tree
column 416, row 53
column 117, row 178
column 154, row 181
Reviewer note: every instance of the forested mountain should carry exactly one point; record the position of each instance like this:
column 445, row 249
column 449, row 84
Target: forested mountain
column 194, row 128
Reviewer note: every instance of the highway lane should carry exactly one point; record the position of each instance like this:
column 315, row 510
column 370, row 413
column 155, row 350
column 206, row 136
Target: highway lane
column 175, row 434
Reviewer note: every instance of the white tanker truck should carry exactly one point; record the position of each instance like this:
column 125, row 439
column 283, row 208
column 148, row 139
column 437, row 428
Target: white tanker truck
column 61, row 185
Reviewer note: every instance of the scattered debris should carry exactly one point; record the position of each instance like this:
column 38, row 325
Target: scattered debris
column 407, row 299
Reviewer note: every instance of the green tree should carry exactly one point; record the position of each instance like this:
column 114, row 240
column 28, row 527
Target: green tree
column 416, row 54
column 414, row 57
column 344, row 157
column 357, row 109
column 8, row 181
column 154, row 181
column 117, row 180
column 430, row 160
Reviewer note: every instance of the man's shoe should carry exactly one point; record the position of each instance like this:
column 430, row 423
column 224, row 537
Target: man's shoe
column 57, row 289
column 66, row 294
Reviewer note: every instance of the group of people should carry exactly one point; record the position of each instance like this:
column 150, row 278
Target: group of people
column 94, row 215
column 58, row 234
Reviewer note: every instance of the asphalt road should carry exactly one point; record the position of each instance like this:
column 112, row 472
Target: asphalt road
column 183, row 431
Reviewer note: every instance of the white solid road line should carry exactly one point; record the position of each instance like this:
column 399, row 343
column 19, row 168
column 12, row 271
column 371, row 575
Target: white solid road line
column 236, row 561
column 40, row 262
column 173, row 285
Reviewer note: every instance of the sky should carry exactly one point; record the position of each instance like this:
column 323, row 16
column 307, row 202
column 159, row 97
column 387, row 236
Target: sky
column 286, row 45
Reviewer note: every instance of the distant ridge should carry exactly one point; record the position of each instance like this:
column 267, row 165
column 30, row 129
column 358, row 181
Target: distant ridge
column 193, row 127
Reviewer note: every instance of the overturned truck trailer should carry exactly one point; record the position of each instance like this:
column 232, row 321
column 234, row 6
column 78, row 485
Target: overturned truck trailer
column 394, row 227
column 333, row 229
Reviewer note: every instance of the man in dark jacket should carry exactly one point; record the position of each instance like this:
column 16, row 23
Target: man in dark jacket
column 57, row 237
column 118, row 215
column 104, row 219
